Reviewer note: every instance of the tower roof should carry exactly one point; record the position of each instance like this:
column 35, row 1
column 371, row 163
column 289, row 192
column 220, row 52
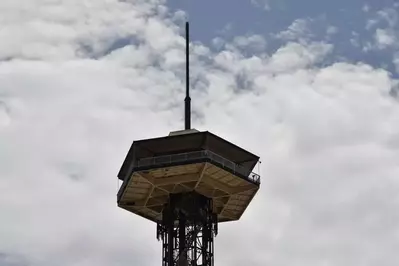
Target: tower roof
column 182, row 143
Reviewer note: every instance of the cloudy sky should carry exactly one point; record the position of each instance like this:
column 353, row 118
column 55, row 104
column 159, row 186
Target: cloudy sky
column 310, row 86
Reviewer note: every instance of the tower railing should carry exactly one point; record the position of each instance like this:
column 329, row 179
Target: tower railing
column 195, row 155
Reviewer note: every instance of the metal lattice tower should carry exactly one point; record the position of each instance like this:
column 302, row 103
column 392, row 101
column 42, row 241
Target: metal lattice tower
column 187, row 230
column 187, row 183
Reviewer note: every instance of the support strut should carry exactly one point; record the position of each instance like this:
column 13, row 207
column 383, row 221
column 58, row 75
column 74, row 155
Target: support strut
column 187, row 230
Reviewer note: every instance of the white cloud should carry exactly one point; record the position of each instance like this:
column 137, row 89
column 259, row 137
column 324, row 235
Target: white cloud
column 249, row 43
column 384, row 38
column 327, row 137
column 218, row 42
column 354, row 40
column 396, row 61
column 298, row 30
column 366, row 8
column 331, row 30
column 246, row 43
column 296, row 56
column 264, row 4
column 371, row 23
column 388, row 15
column 386, row 25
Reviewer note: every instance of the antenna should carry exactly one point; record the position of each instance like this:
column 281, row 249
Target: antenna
column 187, row 100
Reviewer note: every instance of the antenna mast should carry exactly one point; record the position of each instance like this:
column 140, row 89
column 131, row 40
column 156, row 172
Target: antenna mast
column 187, row 100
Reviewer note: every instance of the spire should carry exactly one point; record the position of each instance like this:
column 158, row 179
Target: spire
column 187, row 100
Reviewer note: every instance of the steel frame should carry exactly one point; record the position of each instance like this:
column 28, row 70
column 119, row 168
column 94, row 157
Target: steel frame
column 187, row 231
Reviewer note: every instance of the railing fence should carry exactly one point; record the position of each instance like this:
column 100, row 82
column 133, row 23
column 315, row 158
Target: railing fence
column 182, row 157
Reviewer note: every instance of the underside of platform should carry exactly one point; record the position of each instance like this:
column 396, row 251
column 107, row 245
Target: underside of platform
column 146, row 192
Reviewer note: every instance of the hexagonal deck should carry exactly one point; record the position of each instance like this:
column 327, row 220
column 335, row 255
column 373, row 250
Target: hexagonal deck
column 198, row 161
column 147, row 191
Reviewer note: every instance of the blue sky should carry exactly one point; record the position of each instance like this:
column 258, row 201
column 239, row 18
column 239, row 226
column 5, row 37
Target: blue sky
column 229, row 18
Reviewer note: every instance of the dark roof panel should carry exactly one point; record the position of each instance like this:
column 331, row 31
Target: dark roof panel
column 186, row 143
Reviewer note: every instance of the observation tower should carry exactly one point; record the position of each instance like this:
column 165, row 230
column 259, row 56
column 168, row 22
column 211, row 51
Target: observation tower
column 187, row 183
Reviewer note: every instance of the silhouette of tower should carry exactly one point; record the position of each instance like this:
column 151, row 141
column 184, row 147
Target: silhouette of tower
column 187, row 183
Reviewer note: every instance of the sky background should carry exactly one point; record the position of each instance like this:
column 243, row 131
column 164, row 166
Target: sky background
column 352, row 26
column 310, row 86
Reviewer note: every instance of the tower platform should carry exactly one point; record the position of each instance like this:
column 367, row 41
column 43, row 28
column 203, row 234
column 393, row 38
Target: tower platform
column 184, row 162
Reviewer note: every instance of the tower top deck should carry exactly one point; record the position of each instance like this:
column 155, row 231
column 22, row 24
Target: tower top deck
column 184, row 162
column 186, row 141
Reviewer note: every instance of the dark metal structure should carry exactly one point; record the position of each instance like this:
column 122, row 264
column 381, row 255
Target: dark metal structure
column 187, row 230
column 187, row 183
column 187, row 100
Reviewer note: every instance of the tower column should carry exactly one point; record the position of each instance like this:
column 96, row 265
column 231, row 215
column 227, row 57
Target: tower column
column 186, row 217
